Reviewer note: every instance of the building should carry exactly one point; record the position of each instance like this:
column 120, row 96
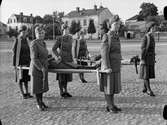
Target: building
column 15, row 21
column 135, row 28
column 3, row 30
column 98, row 15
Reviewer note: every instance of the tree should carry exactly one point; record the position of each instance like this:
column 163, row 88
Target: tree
column 78, row 26
column 91, row 27
column 147, row 9
column 12, row 32
column 47, row 19
column 122, row 29
column 60, row 16
column 49, row 30
column 38, row 19
column 73, row 27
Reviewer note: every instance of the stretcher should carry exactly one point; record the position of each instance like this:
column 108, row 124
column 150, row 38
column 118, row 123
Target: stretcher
column 97, row 71
column 133, row 61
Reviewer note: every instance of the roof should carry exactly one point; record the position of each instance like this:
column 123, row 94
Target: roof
column 2, row 24
column 133, row 18
column 28, row 18
column 84, row 12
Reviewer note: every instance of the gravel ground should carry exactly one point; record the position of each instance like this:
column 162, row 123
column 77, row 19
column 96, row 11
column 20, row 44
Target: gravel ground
column 87, row 106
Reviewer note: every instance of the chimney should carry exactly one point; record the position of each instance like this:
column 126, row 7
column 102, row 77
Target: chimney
column 95, row 7
column 101, row 7
column 77, row 9
column 21, row 13
column 31, row 18
column 21, row 17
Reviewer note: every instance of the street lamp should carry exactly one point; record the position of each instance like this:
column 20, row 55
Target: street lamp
column 54, row 15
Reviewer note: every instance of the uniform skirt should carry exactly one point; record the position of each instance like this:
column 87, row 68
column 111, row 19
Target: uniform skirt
column 64, row 77
column 39, row 84
column 147, row 72
column 25, row 77
column 110, row 83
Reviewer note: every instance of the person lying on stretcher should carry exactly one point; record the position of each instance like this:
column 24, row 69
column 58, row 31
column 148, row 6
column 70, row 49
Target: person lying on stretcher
column 58, row 64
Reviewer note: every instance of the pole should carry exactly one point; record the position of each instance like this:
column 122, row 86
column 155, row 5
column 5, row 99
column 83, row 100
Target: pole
column 32, row 30
column 53, row 29
column 54, row 14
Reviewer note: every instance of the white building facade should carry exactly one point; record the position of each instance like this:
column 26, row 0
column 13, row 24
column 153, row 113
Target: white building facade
column 98, row 15
column 16, row 21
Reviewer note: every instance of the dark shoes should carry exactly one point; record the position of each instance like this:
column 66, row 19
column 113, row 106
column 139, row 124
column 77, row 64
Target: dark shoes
column 113, row 109
column 42, row 106
column 66, row 95
column 45, row 106
column 26, row 96
column 144, row 90
column 150, row 93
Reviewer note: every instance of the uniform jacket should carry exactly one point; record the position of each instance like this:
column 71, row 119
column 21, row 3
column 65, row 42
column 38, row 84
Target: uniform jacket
column 148, row 49
column 63, row 48
column 78, row 46
column 111, row 51
column 39, row 57
column 17, row 61
column 105, row 62
column 16, row 51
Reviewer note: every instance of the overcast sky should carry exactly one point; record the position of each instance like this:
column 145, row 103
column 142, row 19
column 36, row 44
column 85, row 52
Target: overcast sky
column 124, row 8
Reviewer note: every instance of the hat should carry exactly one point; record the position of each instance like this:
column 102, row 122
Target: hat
column 81, row 32
column 104, row 26
column 39, row 28
column 65, row 26
column 116, row 18
column 23, row 28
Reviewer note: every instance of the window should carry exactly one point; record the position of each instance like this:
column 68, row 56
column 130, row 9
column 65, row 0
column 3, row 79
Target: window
column 85, row 31
column 24, row 19
column 66, row 23
column 85, row 22
column 8, row 20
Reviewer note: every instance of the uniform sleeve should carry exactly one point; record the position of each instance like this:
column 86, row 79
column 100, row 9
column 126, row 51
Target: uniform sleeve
column 74, row 47
column 14, row 48
column 56, row 45
column 34, row 56
column 143, row 48
column 87, row 52
column 105, row 52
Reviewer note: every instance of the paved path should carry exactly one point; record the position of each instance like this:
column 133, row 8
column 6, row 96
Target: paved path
column 87, row 106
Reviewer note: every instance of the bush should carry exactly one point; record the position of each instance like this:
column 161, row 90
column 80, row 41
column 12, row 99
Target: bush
column 12, row 32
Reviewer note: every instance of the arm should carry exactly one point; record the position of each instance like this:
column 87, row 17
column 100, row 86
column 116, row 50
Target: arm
column 143, row 48
column 87, row 52
column 56, row 45
column 105, row 52
column 14, row 51
column 74, row 47
column 34, row 56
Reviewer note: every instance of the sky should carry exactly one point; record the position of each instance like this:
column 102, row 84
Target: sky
column 124, row 8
